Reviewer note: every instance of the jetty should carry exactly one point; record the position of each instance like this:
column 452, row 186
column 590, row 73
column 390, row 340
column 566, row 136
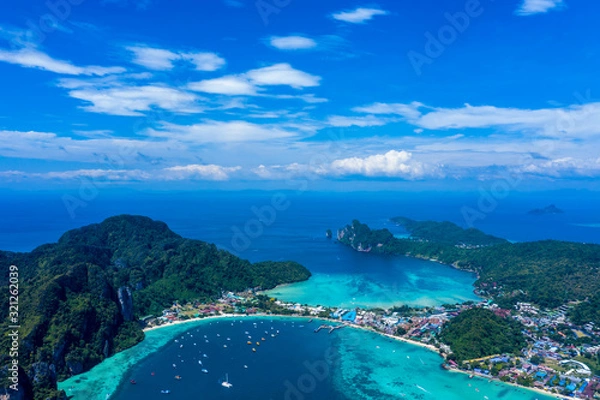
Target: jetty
column 330, row 327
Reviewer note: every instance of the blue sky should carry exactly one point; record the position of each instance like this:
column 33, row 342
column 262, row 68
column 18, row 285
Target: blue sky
column 260, row 94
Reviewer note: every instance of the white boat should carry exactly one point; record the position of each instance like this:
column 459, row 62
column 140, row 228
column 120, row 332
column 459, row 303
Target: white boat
column 204, row 370
column 226, row 383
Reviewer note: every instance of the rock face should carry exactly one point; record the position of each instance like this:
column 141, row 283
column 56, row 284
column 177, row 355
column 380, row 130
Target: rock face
column 43, row 374
column 125, row 303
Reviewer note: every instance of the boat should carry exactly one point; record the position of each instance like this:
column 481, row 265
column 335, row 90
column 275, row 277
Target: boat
column 254, row 350
column 178, row 377
column 226, row 383
column 245, row 366
column 263, row 339
column 165, row 391
column 132, row 381
column 204, row 370
column 249, row 342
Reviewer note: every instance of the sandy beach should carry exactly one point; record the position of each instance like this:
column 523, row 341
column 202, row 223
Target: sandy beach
column 537, row 390
column 365, row 328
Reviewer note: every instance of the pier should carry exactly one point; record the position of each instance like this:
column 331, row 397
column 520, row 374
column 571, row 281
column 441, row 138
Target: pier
column 330, row 327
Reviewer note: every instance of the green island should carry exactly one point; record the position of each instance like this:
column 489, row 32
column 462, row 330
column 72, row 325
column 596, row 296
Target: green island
column 87, row 293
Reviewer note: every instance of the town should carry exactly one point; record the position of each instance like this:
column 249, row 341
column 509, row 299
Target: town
column 560, row 358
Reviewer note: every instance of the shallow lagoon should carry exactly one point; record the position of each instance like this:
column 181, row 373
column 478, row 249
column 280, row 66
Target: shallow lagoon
column 382, row 282
column 296, row 364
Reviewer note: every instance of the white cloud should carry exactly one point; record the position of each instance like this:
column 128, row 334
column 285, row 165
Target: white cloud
column 222, row 132
column 308, row 98
column 250, row 83
column 134, row 100
column 530, row 7
column 164, row 60
column 359, row 15
column 152, row 58
column 573, row 121
column 232, row 85
column 209, row 172
column 205, row 61
column 391, row 164
column 204, row 172
column 292, row 42
column 344, row 122
column 282, row 74
column 32, row 58
column 105, row 150
column 406, row 110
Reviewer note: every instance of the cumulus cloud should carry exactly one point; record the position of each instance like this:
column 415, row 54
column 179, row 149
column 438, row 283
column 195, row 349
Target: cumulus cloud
column 164, row 60
column 152, row 58
column 359, row 15
column 135, row 100
column 252, row 83
column 205, row 61
column 394, row 163
column 33, row 58
column 530, row 7
column 203, row 172
column 282, row 74
column 292, row 42
column 232, row 85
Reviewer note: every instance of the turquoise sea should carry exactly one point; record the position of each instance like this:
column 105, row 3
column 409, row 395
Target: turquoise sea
column 366, row 366
column 293, row 364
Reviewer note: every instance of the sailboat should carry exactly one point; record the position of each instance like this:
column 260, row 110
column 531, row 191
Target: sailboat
column 226, row 383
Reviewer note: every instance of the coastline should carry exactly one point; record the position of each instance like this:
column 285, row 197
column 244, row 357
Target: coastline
column 365, row 328
column 533, row 389
column 181, row 325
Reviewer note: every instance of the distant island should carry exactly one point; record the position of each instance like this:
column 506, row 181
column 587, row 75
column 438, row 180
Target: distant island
column 84, row 296
column 551, row 209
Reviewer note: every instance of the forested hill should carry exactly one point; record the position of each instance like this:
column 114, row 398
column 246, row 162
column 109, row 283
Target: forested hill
column 80, row 298
column 446, row 233
column 548, row 272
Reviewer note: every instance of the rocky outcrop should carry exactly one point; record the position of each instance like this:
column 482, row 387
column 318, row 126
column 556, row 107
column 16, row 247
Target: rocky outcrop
column 125, row 303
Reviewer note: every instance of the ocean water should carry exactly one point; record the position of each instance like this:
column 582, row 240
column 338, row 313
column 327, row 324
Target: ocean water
column 348, row 364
